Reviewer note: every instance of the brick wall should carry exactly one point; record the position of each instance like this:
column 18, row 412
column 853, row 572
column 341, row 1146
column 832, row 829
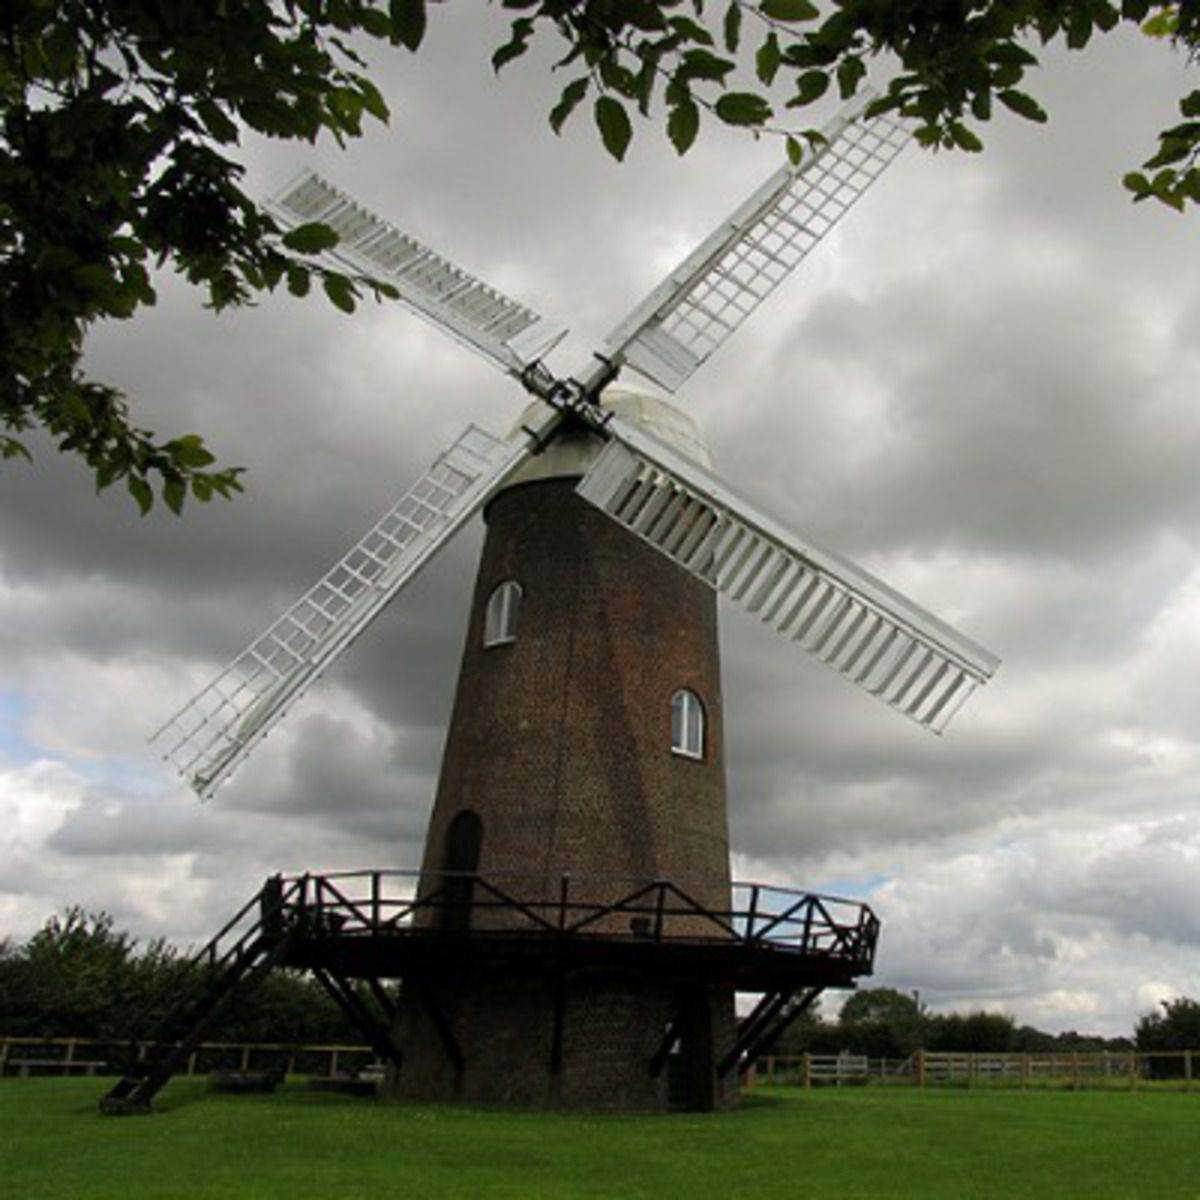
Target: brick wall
column 561, row 743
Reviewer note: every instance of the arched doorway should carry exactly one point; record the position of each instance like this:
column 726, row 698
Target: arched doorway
column 460, row 861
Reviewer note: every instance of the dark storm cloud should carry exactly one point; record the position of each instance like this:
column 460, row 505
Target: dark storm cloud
column 982, row 386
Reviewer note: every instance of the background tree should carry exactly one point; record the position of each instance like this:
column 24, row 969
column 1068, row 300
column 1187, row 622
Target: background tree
column 883, row 1023
column 1175, row 1027
column 79, row 976
column 973, row 1033
column 119, row 123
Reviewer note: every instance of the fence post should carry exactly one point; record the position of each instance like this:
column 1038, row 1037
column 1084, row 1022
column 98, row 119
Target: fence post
column 921, row 1069
column 806, row 1070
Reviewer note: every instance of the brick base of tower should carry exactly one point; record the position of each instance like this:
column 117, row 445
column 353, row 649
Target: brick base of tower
column 609, row 1028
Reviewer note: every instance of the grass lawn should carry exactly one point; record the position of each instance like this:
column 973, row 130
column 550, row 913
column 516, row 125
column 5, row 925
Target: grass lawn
column 832, row 1144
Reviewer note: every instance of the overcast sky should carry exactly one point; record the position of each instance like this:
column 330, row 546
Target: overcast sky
column 983, row 386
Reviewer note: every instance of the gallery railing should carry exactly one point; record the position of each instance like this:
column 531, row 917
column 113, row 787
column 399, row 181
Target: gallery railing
column 378, row 903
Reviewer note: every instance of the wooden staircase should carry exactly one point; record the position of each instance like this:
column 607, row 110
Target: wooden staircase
column 258, row 941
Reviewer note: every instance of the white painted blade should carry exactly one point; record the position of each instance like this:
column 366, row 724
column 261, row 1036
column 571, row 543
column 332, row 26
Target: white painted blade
column 501, row 329
column 853, row 622
column 708, row 296
column 211, row 735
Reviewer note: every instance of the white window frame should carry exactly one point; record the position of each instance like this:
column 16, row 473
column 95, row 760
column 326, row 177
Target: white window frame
column 687, row 724
column 500, row 616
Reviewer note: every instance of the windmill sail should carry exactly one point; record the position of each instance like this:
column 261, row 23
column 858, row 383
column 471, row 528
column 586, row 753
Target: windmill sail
column 501, row 329
column 853, row 622
column 692, row 312
column 210, row 736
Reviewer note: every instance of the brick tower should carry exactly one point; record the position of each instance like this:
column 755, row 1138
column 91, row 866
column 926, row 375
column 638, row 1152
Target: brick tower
column 584, row 753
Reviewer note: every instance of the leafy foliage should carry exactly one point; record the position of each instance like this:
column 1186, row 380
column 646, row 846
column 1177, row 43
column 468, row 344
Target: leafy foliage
column 886, row 1023
column 1176, row 1027
column 956, row 61
column 78, row 976
column 118, row 122
column 119, row 125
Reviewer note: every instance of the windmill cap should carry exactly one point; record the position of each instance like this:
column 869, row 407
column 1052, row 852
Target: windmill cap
column 572, row 452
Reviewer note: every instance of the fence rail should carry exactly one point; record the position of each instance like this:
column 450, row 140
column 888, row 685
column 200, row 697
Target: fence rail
column 28, row 1056
column 1123, row 1069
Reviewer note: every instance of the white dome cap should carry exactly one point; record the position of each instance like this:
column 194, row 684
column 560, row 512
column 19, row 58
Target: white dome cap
column 572, row 452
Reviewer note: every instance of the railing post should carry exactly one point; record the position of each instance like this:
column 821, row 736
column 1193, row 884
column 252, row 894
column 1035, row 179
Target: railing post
column 752, row 914
column 564, row 886
column 375, row 887
column 921, row 1069
column 658, row 914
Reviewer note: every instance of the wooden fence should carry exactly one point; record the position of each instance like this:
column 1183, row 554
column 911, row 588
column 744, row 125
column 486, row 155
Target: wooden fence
column 926, row 1068
column 25, row 1056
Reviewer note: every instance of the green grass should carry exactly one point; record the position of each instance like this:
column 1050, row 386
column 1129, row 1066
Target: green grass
column 831, row 1144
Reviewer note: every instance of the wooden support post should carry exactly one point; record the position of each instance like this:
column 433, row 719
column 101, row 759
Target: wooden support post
column 920, row 1068
column 806, row 1070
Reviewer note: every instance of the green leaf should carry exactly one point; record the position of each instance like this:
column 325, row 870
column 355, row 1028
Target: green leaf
column 964, row 138
column 810, row 86
column 613, row 122
column 733, row 27
column 340, row 291
column 298, row 280
column 850, row 73
column 743, row 108
column 1010, row 53
column 1171, row 150
column 518, row 43
column 375, row 22
column 1023, row 105
column 691, row 30
column 11, row 448
column 1164, row 24
column 1138, row 184
column 768, row 60
column 310, row 238
column 174, row 493
column 704, row 64
column 216, row 121
column 408, row 22
column 683, row 124
column 795, row 151
column 139, row 489
column 789, row 10
column 189, row 451
column 1079, row 29
column 572, row 94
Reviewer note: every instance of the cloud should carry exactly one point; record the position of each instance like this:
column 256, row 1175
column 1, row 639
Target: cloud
column 980, row 386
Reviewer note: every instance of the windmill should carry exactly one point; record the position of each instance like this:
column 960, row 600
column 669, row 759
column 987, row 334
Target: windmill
column 584, row 754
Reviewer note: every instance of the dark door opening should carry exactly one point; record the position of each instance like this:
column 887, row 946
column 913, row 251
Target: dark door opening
column 464, row 840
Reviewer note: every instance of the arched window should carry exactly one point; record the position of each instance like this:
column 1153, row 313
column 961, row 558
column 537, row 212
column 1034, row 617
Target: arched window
column 500, row 620
column 687, row 724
